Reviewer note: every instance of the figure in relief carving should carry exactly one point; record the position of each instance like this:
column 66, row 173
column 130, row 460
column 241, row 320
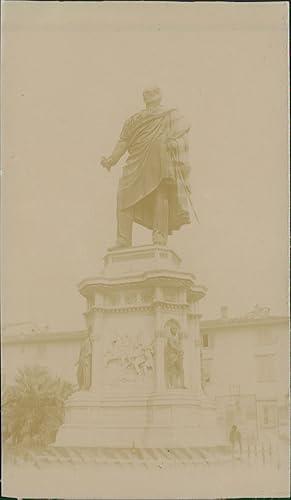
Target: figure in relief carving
column 149, row 359
column 154, row 189
column 131, row 354
column 84, row 364
column 174, row 359
column 137, row 358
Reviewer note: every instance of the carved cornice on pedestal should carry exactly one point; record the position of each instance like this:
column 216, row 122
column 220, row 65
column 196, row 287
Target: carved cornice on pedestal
column 160, row 278
column 158, row 305
column 90, row 315
column 195, row 315
column 169, row 306
column 122, row 309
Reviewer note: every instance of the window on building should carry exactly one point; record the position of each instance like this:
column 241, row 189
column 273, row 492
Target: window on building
column 268, row 418
column 265, row 368
column 234, row 389
column 205, row 340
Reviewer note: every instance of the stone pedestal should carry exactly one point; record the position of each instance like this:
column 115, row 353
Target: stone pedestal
column 131, row 309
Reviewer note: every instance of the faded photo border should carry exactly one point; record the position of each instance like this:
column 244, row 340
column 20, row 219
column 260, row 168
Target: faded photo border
column 61, row 118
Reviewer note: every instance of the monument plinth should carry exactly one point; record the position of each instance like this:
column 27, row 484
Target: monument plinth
column 143, row 325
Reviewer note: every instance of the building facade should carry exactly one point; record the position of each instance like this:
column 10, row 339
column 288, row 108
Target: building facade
column 246, row 369
column 245, row 365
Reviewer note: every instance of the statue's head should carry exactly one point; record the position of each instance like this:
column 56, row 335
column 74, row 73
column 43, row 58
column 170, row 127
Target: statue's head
column 174, row 329
column 152, row 94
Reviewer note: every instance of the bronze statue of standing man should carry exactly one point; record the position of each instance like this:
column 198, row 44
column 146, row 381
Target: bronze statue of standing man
column 154, row 188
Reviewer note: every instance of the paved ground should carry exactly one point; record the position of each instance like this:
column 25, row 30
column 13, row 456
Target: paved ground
column 229, row 479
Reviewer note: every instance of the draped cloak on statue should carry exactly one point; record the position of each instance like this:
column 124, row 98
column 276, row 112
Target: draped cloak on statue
column 149, row 164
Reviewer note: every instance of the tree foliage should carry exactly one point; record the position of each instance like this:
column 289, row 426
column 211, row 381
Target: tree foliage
column 33, row 407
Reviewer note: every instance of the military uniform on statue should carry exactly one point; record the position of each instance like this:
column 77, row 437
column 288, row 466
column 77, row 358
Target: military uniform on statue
column 142, row 308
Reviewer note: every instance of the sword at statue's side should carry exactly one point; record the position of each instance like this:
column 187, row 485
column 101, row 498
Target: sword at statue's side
column 185, row 188
column 188, row 194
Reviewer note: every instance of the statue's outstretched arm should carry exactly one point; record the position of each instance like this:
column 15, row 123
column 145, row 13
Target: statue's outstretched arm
column 119, row 150
column 117, row 153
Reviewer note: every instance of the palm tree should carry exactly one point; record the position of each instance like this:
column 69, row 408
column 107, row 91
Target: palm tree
column 33, row 407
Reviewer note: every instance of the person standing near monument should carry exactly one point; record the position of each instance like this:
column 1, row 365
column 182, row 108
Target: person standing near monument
column 235, row 438
column 154, row 189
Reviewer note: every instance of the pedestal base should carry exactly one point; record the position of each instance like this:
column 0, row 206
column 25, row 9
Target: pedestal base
column 173, row 420
column 143, row 321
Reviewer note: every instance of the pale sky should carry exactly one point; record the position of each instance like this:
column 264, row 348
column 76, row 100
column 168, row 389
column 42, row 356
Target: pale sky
column 72, row 74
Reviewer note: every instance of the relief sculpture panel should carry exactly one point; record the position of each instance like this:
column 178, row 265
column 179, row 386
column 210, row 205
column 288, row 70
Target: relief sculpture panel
column 129, row 359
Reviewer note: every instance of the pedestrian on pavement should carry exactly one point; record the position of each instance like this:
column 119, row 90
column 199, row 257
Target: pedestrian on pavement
column 235, row 438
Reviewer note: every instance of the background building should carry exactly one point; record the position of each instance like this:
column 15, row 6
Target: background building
column 245, row 365
column 246, row 369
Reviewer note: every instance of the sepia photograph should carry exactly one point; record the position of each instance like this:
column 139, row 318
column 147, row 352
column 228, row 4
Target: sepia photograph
column 145, row 349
